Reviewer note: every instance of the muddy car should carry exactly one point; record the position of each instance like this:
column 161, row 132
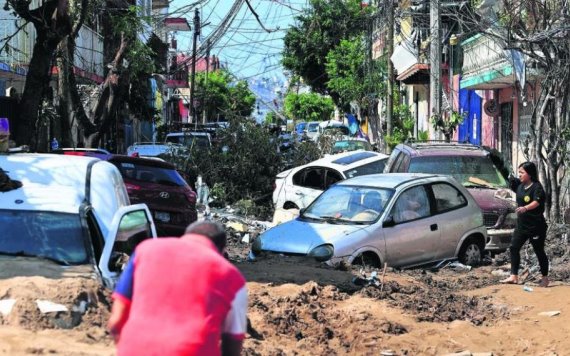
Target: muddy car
column 403, row 220
column 160, row 186
column 71, row 217
column 477, row 170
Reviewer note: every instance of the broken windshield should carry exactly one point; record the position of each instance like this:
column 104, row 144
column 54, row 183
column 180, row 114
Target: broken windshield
column 48, row 235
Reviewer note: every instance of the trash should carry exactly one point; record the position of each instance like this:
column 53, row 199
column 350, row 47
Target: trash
column 6, row 306
column 500, row 273
column 459, row 266
column 238, row 226
column 550, row 313
column 245, row 239
column 45, row 306
column 283, row 215
column 527, row 289
column 387, row 353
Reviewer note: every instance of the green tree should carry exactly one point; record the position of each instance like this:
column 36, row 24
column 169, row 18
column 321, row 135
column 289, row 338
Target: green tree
column 220, row 95
column 308, row 106
column 320, row 29
column 349, row 75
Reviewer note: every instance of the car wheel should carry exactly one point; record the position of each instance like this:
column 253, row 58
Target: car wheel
column 367, row 259
column 471, row 253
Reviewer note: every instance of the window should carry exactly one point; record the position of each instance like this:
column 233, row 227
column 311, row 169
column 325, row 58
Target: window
column 332, row 177
column 310, row 177
column 365, row 169
column 412, row 204
column 152, row 174
column 133, row 229
column 447, row 197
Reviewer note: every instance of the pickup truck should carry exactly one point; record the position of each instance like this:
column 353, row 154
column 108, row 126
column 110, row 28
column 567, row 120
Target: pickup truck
column 71, row 214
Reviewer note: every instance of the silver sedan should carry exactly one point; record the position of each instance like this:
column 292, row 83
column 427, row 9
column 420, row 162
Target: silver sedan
column 403, row 220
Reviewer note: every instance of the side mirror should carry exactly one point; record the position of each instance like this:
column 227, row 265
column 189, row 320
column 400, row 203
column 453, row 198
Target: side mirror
column 389, row 222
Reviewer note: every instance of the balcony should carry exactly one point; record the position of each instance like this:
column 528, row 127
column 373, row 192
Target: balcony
column 88, row 59
column 410, row 64
column 487, row 65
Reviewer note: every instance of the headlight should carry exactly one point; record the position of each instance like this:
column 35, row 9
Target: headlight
column 322, row 253
column 256, row 246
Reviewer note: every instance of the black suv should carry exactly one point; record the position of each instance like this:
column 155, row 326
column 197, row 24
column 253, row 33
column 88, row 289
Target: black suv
column 479, row 169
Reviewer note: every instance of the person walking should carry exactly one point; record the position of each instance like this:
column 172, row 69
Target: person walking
column 180, row 296
column 531, row 224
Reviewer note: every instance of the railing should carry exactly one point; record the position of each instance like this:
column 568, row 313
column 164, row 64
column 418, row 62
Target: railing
column 89, row 51
column 483, row 53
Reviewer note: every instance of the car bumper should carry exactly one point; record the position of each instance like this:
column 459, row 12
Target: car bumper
column 499, row 240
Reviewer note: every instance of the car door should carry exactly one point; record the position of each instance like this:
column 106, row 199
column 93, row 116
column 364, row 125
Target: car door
column 308, row 184
column 131, row 225
column 449, row 207
column 414, row 236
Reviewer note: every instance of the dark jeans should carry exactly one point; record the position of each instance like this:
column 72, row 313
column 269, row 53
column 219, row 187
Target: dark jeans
column 537, row 242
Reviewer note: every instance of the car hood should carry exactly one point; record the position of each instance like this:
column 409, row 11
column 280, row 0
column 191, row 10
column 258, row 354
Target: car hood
column 489, row 201
column 300, row 237
column 31, row 267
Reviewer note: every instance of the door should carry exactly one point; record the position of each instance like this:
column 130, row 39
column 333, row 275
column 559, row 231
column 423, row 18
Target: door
column 414, row 239
column 307, row 185
column 470, row 104
column 131, row 225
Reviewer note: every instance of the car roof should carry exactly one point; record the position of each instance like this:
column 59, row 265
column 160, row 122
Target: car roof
column 389, row 180
column 443, row 149
column 188, row 133
column 50, row 182
column 153, row 162
column 347, row 160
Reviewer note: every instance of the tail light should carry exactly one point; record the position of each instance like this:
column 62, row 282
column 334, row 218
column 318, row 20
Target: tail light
column 190, row 196
column 132, row 187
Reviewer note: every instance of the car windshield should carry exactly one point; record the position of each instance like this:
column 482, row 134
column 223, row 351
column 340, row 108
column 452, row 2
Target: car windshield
column 150, row 174
column 48, row 235
column 467, row 170
column 189, row 140
column 313, row 127
column 349, row 205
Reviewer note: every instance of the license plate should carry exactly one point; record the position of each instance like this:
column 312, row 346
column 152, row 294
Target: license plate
column 164, row 217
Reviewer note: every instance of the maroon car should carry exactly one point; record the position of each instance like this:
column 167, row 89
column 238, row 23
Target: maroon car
column 478, row 169
column 158, row 184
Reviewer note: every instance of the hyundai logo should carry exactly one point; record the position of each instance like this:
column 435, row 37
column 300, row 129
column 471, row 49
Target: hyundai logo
column 164, row 195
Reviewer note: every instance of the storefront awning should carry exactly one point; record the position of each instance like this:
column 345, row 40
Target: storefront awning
column 416, row 74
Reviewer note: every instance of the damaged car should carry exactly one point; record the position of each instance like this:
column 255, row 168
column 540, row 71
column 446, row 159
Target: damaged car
column 403, row 220
column 71, row 216
column 478, row 169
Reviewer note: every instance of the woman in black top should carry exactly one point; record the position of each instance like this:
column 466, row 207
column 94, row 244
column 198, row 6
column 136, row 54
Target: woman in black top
column 531, row 224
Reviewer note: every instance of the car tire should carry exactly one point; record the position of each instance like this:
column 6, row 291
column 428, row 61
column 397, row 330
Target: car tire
column 367, row 259
column 471, row 253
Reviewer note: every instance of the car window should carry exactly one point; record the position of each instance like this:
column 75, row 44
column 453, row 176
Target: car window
column 150, row 174
column 313, row 127
column 412, row 204
column 133, row 229
column 447, row 197
column 467, row 170
column 51, row 235
column 312, row 177
column 365, row 169
column 332, row 177
column 403, row 164
column 200, row 141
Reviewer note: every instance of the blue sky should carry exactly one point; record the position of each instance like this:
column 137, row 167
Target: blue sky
column 246, row 49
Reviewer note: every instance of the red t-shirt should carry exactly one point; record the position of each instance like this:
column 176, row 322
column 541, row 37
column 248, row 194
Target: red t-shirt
column 183, row 295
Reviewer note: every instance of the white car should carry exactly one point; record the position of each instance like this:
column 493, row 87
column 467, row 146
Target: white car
column 296, row 188
column 72, row 215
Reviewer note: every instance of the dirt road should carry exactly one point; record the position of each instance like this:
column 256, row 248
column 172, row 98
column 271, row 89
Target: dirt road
column 300, row 307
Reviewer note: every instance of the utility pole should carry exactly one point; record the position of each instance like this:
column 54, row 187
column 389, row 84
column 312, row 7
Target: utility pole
column 435, row 58
column 390, row 49
column 193, row 75
column 204, row 114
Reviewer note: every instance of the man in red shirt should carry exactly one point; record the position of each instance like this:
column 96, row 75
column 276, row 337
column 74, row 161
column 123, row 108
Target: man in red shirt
column 180, row 296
